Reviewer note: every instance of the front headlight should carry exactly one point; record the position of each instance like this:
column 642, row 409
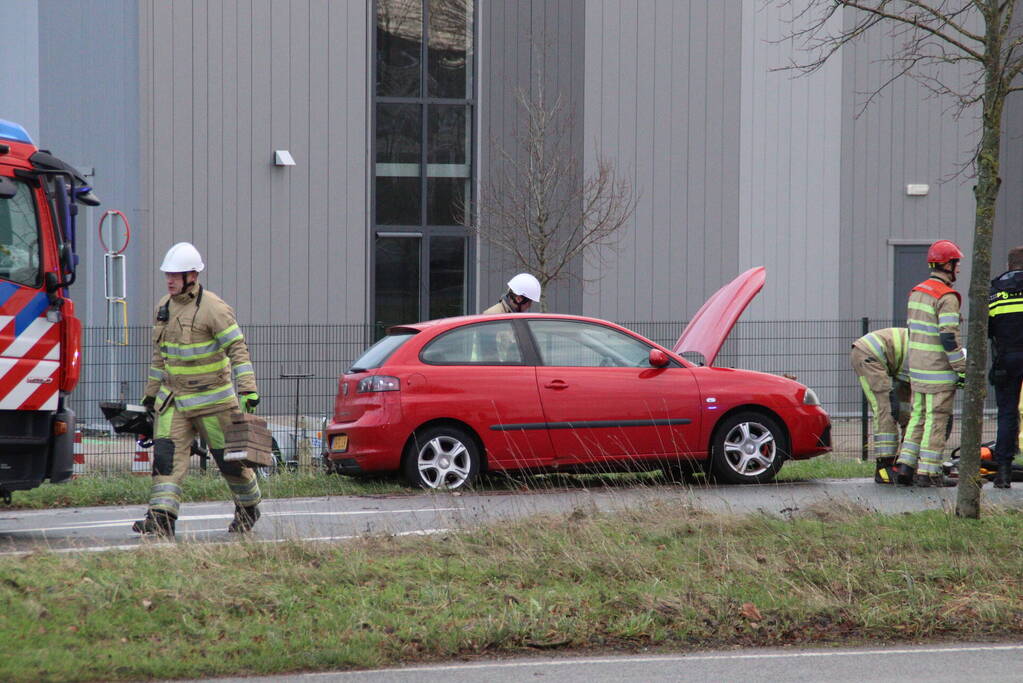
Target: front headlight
column 810, row 398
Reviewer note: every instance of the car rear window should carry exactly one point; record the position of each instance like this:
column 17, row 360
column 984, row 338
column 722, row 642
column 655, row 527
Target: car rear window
column 376, row 355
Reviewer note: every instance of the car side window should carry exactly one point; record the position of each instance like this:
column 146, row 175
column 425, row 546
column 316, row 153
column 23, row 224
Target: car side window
column 570, row 343
column 482, row 344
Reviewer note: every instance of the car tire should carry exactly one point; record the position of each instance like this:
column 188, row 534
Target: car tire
column 276, row 462
column 443, row 458
column 747, row 448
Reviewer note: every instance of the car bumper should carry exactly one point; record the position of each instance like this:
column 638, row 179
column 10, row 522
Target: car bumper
column 810, row 433
column 354, row 448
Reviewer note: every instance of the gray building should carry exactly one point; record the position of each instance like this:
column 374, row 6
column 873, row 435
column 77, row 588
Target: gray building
column 395, row 110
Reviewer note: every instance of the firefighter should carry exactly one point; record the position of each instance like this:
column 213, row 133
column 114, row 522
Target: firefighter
column 879, row 360
column 198, row 349
column 1005, row 328
column 523, row 290
column 937, row 366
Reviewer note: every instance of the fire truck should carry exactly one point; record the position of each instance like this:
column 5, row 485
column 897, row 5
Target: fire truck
column 40, row 336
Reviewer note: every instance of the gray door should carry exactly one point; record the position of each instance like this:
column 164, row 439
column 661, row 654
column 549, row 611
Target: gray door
column 910, row 270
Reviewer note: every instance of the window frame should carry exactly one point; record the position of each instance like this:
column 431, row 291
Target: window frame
column 425, row 230
column 31, row 190
column 524, row 345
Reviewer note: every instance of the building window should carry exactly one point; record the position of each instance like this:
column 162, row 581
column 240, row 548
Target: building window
column 423, row 151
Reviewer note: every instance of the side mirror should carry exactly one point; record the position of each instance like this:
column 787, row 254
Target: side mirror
column 659, row 359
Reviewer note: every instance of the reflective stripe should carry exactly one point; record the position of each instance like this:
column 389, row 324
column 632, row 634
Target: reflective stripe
column 956, row 356
column 214, row 432
column 204, row 398
column 155, row 374
column 1004, row 306
column 242, row 369
column 198, row 369
column 170, row 350
column 923, row 326
column 166, row 497
column 246, row 493
column 920, row 306
column 229, row 336
column 947, row 319
column 875, row 345
column 899, row 338
column 933, row 376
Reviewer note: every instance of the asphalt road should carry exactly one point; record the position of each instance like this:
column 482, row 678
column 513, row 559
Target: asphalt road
column 334, row 519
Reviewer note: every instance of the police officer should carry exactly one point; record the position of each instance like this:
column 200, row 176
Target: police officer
column 199, row 355
column 937, row 366
column 523, row 290
column 879, row 360
column 1005, row 329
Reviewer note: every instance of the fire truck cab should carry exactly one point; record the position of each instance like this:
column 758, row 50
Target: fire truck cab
column 40, row 336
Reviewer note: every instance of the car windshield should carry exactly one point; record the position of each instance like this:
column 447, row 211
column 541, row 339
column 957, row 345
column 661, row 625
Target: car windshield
column 19, row 238
column 376, row 355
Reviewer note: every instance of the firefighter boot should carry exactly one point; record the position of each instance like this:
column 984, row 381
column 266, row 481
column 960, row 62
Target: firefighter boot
column 155, row 523
column 1003, row 478
column 244, row 519
column 904, row 474
column 884, row 470
column 938, row 480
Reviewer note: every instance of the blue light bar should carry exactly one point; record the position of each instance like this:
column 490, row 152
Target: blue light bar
column 12, row 131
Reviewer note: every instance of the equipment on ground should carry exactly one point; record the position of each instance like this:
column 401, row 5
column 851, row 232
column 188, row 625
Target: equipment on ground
column 988, row 466
column 41, row 340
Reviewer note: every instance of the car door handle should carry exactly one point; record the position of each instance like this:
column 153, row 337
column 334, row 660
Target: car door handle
column 557, row 384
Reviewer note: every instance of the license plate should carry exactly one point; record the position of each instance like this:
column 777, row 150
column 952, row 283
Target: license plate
column 339, row 442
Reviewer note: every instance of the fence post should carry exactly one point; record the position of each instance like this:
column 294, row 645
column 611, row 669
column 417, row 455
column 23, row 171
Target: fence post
column 864, row 441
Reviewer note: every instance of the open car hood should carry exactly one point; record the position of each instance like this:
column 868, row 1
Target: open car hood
column 709, row 328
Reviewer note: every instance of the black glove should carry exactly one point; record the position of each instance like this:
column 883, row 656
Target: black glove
column 250, row 401
column 960, row 380
column 149, row 402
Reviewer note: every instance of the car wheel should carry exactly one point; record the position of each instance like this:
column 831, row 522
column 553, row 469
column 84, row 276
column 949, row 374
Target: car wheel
column 442, row 458
column 748, row 448
column 276, row 461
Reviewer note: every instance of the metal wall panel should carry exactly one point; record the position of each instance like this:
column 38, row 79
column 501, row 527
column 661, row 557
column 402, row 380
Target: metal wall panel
column 19, row 53
column 904, row 136
column 224, row 85
column 89, row 117
column 662, row 99
column 513, row 37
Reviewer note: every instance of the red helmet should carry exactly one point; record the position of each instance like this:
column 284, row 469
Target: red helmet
column 943, row 251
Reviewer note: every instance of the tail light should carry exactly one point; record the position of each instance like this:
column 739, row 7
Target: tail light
column 71, row 348
column 378, row 383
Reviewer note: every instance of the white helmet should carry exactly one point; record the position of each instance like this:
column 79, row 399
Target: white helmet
column 182, row 258
column 525, row 285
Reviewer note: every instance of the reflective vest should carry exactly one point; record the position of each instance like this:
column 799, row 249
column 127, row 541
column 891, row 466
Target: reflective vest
column 198, row 349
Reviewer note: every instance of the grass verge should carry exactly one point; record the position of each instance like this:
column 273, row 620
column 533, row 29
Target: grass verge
column 663, row 577
column 133, row 490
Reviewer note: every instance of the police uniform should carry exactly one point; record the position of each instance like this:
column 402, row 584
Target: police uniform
column 1005, row 329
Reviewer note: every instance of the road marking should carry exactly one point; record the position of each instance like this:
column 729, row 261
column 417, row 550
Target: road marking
column 99, row 524
column 671, row 658
column 164, row 543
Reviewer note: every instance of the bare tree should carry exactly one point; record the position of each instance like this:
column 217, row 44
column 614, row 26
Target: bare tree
column 540, row 207
column 934, row 41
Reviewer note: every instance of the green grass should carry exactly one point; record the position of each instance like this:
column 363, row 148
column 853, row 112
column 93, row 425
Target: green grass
column 664, row 577
column 134, row 490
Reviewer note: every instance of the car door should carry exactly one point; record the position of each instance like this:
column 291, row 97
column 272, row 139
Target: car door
column 603, row 401
column 479, row 374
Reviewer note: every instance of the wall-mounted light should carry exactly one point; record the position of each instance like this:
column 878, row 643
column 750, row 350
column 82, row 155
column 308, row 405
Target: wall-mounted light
column 282, row 157
column 917, row 190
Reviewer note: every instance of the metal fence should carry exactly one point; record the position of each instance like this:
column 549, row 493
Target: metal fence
column 297, row 368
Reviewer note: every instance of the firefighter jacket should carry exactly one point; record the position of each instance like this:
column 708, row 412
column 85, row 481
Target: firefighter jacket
column 500, row 307
column 888, row 346
column 936, row 356
column 1005, row 311
column 197, row 349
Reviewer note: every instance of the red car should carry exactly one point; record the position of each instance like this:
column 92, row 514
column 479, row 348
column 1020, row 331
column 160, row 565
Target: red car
column 444, row 401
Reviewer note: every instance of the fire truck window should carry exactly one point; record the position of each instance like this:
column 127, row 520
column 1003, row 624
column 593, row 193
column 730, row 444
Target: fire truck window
column 19, row 238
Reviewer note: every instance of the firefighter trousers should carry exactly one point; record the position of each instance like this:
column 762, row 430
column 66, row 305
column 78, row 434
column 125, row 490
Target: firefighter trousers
column 172, row 451
column 877, row 387
column 927, row 431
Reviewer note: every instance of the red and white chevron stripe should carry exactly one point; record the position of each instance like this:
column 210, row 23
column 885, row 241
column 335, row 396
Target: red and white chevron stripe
column 29, row 365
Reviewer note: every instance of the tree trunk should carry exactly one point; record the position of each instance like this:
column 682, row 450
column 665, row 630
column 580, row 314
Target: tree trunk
column 986, row 193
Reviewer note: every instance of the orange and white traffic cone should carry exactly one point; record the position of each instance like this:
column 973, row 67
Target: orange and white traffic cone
column 78, row 456
column 142, row 464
